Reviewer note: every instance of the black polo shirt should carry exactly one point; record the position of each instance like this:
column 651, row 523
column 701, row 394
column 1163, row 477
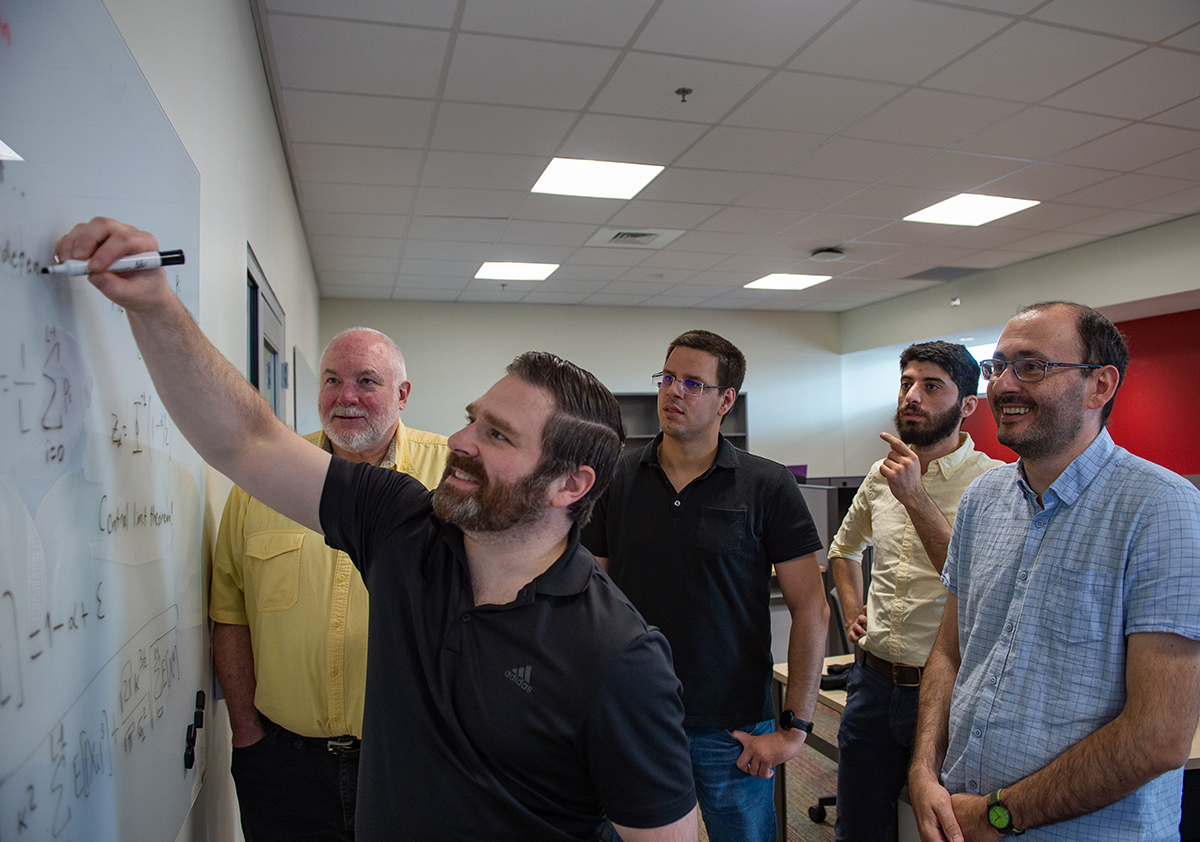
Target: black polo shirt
column 697, row 564
column 536, row 720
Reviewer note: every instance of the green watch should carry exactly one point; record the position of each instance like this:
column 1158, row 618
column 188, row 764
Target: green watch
column 999, row 817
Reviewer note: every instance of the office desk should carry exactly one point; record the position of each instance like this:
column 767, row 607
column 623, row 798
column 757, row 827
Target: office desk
column 826, row 743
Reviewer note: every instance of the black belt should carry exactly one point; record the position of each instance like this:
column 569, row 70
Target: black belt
column 902, row 675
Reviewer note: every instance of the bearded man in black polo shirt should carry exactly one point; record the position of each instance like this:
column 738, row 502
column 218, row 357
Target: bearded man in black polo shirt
column 513, row 693
column 689, row 529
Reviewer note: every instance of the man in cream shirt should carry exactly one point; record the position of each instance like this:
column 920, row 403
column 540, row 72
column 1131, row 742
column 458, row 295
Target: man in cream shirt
column 904, row 509
column 290, row 640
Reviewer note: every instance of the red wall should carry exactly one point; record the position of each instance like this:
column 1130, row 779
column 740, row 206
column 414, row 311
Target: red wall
column 1157, row 411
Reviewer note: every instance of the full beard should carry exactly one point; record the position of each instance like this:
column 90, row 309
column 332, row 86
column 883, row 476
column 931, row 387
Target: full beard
column 355, row 442
column 492, row 506
column 936, row 427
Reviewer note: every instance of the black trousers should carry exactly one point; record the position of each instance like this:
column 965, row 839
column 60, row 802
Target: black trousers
column 291, row 787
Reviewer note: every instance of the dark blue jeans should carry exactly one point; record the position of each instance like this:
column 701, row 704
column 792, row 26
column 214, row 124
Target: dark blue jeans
column 735, row 806
column 290, row 787
column 874, row 746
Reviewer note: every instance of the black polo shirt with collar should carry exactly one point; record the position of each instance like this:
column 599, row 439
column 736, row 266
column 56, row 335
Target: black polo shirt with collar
column 697, row 564
column 537, row 720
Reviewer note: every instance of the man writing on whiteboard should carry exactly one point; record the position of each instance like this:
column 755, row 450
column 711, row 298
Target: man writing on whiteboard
column 290, row 612
column 512, row 690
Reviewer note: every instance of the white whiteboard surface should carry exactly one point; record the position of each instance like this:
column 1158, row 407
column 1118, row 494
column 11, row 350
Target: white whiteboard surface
column 101, row 600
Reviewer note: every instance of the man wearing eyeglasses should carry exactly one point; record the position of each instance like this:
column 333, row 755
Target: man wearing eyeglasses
column 689, row 529
column 1063, row 690
column 903, row 510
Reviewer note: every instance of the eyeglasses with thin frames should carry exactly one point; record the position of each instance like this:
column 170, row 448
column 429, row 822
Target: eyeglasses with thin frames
column 662, row 380
column 1027, row 370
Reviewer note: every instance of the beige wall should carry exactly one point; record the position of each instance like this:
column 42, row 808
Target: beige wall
column 203, row 63
column 456, row 351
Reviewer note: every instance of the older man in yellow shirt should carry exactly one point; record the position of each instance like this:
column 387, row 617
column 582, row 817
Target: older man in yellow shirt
column 290, row 640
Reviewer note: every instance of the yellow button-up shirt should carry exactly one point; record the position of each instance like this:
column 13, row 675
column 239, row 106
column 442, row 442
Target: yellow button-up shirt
column 305, row 603
column 906, row 597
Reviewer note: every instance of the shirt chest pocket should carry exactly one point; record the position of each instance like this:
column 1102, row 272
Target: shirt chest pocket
column 273, row 568
column 720, row 531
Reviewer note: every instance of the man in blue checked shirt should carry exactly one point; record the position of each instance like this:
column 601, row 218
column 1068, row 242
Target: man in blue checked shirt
column 1063, row 690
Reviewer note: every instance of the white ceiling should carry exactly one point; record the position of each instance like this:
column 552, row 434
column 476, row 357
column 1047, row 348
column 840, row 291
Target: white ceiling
column 414, row 130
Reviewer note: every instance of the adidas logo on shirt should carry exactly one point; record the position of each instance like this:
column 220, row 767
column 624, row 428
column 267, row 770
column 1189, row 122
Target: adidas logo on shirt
column 520, row 677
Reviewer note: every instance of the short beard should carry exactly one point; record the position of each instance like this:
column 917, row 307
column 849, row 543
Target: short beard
column 364, row 440
column 493, row 506
column 939, row 427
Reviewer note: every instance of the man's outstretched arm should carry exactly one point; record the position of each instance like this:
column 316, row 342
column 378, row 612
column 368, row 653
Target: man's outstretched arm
column 215, row 408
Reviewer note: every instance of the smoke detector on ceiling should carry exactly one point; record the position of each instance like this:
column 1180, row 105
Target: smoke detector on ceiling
column 827, row 255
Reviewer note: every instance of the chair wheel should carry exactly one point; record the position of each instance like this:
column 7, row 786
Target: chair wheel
column 816, row 813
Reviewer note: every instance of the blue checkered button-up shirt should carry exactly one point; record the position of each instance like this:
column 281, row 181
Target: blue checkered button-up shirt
column 1046, row 597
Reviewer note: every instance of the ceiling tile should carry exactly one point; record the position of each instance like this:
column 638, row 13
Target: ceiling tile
column 867, row 160
column 482, row 171
column 1031, row 61
column 1051, row 241
column 760, row 31
column 714, row 241
column 355, row 224
column 1146, row 84
column 530, row 253
column 329, row 265
column 1186, row 165
column 355, row 291
column 807, row 102
column 932, row 118
column 1047, row 181
column 692, row 260
column 316, row 117
column 644, row 85
column 674, row 301
column 1133, row 148
column 546, row 233
column 631, row 139
column 552, row 208
column 889, row 200
column 1117, row 222
column 956, row 172
column 756, row 150
column 359, row 58
column 513, row 72
column 355, row 164
column 1048, row 216
column 452, row 228
column 1038, row 133
column 418, row 294
column 543, row 296
column 800, row 194
column 896, row 40
column 343, row 278
column 445, row 250
column 611, row 23
column 465, row 127
column 995, row 258
column 712, row 187
column 446, row 201
column 435, row 13
column 608, row 299
column 1124, row 190
column 836, row 228
column 673, row 215
column 1186, row 201
column 765, row 221
column 1186, row 40
column 356, row 198
column 439, row 268
column 608, row 256
column 325, row 244
column 559, row 282
column 985, row 237
column 1144, row 21
column 1186, row 115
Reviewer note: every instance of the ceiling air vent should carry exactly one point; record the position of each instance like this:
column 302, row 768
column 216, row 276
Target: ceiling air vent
column 633, row 238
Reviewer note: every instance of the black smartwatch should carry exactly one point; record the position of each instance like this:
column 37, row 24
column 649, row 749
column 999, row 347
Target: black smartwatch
column 999, row 817
column 789, row 721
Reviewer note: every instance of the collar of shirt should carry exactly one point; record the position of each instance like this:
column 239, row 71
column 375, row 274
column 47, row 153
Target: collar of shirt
column 1078, row 475
column 727, row 456
column 949, row 464
column 568, row 575
column 389, row 458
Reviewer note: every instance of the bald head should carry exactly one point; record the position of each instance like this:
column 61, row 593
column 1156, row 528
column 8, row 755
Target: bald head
column 363, row 388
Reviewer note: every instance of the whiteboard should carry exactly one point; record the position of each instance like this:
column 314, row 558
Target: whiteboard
column 101, row 600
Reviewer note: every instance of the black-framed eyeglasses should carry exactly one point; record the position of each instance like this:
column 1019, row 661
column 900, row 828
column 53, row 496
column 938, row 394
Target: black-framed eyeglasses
column 1027, row 370
column 662, row 380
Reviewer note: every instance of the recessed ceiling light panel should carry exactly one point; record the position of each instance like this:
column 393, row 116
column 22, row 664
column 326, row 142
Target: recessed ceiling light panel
column 7, row 153
column 516, row 271
column 788, row 281
column 595, row 179
column 970, row 209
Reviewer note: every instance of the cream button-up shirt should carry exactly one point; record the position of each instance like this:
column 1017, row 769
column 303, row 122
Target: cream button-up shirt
column 906, row 596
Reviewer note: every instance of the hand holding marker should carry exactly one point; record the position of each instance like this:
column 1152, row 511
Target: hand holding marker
column 130, row 263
